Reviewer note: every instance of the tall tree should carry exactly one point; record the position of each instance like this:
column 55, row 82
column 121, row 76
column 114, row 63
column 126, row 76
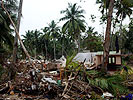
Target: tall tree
column 92, row 40
column 107, row 36
column 75, row 23
column 6, row 37
column 36, row 35
column 109, row 5
column 62, row 39
column 18, row 25
column 28, row 39
column 53, row 31
column 129, row 38
column 45, row 41
column 123, row 10
column 32, row 42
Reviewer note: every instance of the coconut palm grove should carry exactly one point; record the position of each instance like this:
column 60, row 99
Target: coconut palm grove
column 68, row 58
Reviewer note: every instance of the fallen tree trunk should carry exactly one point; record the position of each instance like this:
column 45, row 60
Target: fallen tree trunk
column 17, row 33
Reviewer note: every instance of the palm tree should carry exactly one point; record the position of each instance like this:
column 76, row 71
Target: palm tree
column 92, row 40
column 45, row 41
column 36, row 35
column 28, row 40
column 123, row 10
column 53, row 31
column 10, row 5
column 5, row 29
column 43, row 44
column 62, row 40
column 6, row 37
column 129, row 38
column 31, row 41
column 75, row 23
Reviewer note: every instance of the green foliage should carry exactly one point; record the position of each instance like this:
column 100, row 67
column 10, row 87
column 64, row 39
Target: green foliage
column 43, row 43
column 115, row 85
column 75, row 23
column 6, row 37
column 129, row 38
column 128, row 2
column 111, row 84
column 99, row 82
column 92, row 41
column 31, row 41
column 55, row 40
column 122, row 9
column 11, row 5
column 94, row 73
column 72, row 65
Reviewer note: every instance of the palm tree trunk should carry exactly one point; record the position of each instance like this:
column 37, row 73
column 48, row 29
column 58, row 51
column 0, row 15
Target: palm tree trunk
column 62, row 47
column 54, row 51
column 107, row 37
column 35, row 52
column 46, row 50
column 62, row 50
column 16, row 38
column 121, row 35
column 78, row 43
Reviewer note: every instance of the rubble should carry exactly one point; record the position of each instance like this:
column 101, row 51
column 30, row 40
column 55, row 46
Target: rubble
column 52, row 81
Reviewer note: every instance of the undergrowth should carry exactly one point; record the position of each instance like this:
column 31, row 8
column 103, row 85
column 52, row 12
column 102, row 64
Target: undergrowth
column 113, row 84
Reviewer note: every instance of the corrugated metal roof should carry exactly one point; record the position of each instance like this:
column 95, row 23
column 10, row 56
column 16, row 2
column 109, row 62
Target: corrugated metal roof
column 82, row 56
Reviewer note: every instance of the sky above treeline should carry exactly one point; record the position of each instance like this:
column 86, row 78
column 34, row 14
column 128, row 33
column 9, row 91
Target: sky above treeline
column 38, row 13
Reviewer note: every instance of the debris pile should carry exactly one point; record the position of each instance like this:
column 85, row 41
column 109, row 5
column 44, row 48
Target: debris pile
column 53, row 81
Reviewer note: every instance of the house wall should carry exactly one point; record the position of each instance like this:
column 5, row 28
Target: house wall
column 118, row 60
column 99, row 60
